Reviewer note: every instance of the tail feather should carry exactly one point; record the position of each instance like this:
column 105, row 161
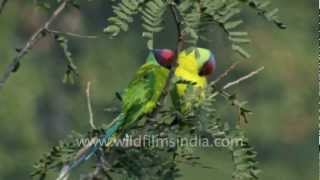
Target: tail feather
column 92, row 148
column 110, row 131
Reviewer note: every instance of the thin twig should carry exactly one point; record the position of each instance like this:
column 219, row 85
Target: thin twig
column 72, row 34
column 227, row 95
column 230, row 84
column 39, row 34
column 91, row 121
column 2, row 5
column 226, row 72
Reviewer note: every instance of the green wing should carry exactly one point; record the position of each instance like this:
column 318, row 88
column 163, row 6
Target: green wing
column 143, row 92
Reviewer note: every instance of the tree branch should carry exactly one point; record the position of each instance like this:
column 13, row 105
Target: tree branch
column 91, row 121
column 2, row 5
column 231, row 97
column 39, row 34
column 72, row 34
column 99, row 170
column 226, row 72
column 180, row 43
column 230, row 84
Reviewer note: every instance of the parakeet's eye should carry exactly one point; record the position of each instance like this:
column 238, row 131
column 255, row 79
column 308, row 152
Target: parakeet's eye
column 164, row 57
column 208, row 67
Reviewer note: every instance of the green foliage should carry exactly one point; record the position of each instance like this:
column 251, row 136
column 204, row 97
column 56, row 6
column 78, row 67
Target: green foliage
column 60, row 154
column 226, row 15
column 200, row 118
column 152, row 17
column 71, row 71
column 151, row 13
column 243, row 155
column 191, row 20
column 148, row 160
column 262, row 8
column 48, row 108
column 244, row 158
column 196, row 17
column 124, row 10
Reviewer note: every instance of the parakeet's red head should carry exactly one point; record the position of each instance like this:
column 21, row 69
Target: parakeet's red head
column 208, row 67
column 164, row 57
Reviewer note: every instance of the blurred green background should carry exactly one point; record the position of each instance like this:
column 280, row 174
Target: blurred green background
column 37, row 109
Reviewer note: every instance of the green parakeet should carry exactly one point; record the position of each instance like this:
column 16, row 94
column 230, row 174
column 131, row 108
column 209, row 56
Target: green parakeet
column 138, row 99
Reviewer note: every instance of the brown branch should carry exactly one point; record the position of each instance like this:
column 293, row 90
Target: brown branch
column 34, row 39
column 226, row 72
column 2, row 5
column 72, row 34
column 180, row 43
column 91, row 121
column 100, row 169
column 230, row 84
column 231, row 97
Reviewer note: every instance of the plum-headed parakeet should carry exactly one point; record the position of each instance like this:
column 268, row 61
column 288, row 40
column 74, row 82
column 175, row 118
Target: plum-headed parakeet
column 193, row 67
column 138, row 99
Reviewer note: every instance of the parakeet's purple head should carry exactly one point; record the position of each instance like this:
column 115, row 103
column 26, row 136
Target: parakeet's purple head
column 205, row 61
column 208, row 67
column 164, row 57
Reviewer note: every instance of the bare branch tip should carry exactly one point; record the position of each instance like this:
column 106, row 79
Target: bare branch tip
column 91, row 120
column 243, row 78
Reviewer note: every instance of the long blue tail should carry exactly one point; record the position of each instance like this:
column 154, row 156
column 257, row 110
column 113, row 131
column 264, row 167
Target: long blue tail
column 110, row 131
column 90, row 151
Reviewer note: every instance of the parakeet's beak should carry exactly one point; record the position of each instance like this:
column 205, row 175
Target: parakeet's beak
column 164, row 57
column 208, row 67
